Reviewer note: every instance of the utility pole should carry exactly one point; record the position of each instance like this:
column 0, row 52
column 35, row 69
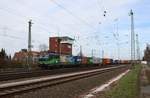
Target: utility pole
column 118, row 45
column 92, row 53
column 117, row 37
column 102, row 53
column 132, row 38
column 29, row 45
column 81, row 51
column 138, row 48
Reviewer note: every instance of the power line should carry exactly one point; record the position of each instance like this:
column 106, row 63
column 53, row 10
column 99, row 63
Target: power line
column 100, row 7
column 11, row 12
column 6, row 28
column 22, row 16
column 68, row 11
column 75, row 16
column 13, row 37
column 42, row 25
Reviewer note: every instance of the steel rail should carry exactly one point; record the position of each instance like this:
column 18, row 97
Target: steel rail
column 27, row 85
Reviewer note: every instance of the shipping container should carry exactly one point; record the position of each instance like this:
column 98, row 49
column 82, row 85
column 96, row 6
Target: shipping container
column 90, row 60
column 77, row 59
column 84, row 60
column 116, row 61
column 111, row 61
column 101, row 61
column 63, row 59
column 96, row 60
column 124, row 61
column 107, row 61
column 70, row 60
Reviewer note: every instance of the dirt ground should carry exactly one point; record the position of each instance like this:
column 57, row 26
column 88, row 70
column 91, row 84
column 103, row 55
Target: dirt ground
column 145, row 82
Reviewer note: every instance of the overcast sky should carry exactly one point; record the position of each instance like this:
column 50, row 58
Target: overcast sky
column 83, row 20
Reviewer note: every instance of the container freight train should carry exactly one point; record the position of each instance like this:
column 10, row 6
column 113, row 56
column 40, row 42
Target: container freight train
column 52, row 60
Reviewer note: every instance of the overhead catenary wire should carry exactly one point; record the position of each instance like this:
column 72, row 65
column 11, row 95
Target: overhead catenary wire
column 24, row 18
column 43, row 26
column 4, row 34
column 17, row 31
column 73, row 15
column 11, row 36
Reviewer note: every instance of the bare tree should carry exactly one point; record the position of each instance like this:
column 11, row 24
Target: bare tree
column 43, row 47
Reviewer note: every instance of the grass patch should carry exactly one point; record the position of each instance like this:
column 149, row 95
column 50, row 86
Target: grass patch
column 128, row 86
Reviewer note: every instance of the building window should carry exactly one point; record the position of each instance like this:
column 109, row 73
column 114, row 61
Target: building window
column 69, row 46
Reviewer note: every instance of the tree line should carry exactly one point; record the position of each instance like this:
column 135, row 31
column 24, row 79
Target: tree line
column 7, row 62
column 147, row 54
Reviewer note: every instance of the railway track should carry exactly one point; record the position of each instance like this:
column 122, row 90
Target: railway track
column 20, row 74
column 7, row 76
column 9, row 89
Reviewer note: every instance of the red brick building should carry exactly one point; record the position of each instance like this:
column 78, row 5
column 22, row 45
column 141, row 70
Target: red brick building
column 61, row 45
column 22, row 56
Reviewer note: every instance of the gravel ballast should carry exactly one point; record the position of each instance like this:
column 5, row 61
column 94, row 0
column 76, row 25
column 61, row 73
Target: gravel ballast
column 72, row 89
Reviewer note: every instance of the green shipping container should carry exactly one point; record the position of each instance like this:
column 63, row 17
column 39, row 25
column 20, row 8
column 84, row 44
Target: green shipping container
column 90, row 60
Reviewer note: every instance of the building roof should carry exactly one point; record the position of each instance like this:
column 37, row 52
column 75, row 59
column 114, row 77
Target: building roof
column 64, row 38
column 23, row 54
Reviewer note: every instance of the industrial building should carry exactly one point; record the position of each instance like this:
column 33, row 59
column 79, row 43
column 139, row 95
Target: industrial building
column 61, row 45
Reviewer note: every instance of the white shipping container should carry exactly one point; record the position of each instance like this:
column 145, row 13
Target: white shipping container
column 96, row 60
column 100, row 60
column 63, row 59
